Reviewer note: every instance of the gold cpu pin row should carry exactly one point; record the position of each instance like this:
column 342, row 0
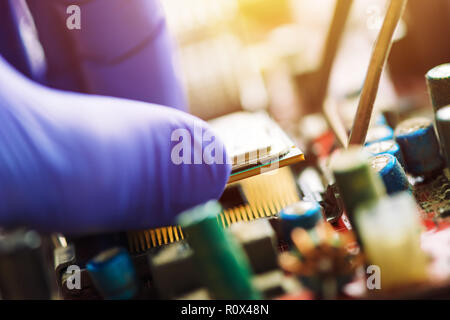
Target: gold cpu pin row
column 266, row 194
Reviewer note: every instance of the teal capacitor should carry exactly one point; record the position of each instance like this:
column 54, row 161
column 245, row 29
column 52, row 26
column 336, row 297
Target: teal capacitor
column 302, row 214
column 222, row 263
column 419, row 145
column 113, row 274
column 391, row 172
column 379, row 133
column 443, row 127
column 357, row 182
column 387, row 146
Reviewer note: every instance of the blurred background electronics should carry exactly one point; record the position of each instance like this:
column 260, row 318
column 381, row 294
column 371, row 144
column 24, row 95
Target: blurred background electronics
column 340, row 159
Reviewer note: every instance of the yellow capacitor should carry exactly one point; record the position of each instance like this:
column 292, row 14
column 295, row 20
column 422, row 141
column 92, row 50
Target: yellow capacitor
column 390, row 231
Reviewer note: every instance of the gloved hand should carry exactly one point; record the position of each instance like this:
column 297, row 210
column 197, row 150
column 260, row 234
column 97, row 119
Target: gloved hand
column 79, row 163
column 123, row 49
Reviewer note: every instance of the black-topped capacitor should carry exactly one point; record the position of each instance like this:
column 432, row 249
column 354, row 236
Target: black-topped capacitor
column 379, row 133
column 443, row 127
column 391, row 172
column 420, row 148
column 387, row 146
column 438, row 81
column 302, row 214
column 113, row 274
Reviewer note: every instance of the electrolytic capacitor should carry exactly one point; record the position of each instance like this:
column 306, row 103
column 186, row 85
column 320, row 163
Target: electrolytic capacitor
column 391, row 172
column 356, row 180
column 379, row 133
column 419, row 145
column 23, row 272
column 443, row 127
column 303, row 214
column 113, row 274
column 390, row 232
column 438, row 81
column 387, row 146
column 222, row 263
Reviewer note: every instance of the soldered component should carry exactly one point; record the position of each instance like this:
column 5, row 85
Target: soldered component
column 259, row 243
column 419, row 145
column 113, row 274
column 379, row 133
column 438, row 81
column 303, row 214
column 391, row 172
column 443, row 127
column 387, row 146
column 321, row 259
column 222, row 263
column 166, row 266
column 257, row 238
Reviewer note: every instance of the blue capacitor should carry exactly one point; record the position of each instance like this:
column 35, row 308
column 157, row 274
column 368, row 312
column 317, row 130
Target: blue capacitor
column 387, row 146
column 419, row 145
column 391, row 172
column 113, row 274
column 302, row 214
column 379, row 133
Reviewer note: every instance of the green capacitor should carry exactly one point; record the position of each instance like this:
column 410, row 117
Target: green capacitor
column 222, row 263
column 443, row 127
column 357, row 182
column 438, row 81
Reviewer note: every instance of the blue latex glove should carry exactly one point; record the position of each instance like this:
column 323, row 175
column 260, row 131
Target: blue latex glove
column 79, row 163
column 122, row 50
